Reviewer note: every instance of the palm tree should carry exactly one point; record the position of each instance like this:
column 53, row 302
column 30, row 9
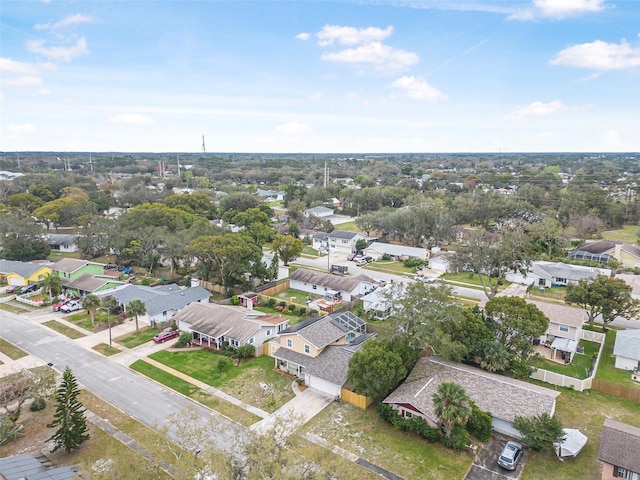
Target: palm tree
column 52, row 284
column 451, row 406
column 136, row 307
column 91, row 303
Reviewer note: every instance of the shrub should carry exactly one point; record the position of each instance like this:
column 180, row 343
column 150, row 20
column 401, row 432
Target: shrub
column 271, row 302
column 413, row 262
column 222, row 364
column 292, row 307
column 458, row 439
column 246, row 351
column 38, row 404
column 386, row 256
column 302, row 311
column 479, row 423
column 235, row 300
column 146, row 281
column 282, row 304
column 183, row 340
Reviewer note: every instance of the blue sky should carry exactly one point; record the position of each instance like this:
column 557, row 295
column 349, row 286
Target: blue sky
column 320, row 77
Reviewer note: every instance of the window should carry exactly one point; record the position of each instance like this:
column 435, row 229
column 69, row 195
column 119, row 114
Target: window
column 250, row 341
column 268, row 333
column 307, row 348
column 564, row 328
column 620, row 472
column 407, row 414
column 345, row 241
column 289, row 343
column 315, row 287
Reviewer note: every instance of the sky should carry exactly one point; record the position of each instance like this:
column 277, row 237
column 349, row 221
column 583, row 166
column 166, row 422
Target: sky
column 378, row 76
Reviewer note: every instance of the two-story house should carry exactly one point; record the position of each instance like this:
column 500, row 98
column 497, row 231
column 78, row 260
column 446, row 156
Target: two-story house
column 337, row 241
column 83, row 276
column 619, row 447
column 565, row 328
column 318, row 349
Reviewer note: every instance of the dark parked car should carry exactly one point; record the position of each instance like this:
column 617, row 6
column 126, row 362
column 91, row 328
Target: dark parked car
column 510, row 455
column 29, row 288
column 166, row 335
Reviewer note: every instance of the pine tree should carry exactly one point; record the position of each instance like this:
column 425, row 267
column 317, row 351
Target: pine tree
column 69, row 416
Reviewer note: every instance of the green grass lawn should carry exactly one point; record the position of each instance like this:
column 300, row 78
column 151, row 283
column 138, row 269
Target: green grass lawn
column 64, row 329
column 391, row 267
column 10, row 307
column 578, row 368
column 627, row 234
column 105, row 349
column 243, row 382
column 349, row 227
column 10, row 350
column 606, row 368
column 83, row 320
column 470, row 279
column 135, row 339
column 307, row 250
column 553, row 293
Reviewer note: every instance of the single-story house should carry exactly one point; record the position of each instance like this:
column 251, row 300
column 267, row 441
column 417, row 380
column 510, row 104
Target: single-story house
column 320, row 212
column 333, row 287
column 627, row 349
column 633, row 281
column 72, row 268
column 27, row 466
column 22, row 273
column 90, row 283
column 161, row 302
column 505, row 398
column 619, row 447
column 318, row 349
column 338, row 241
column 213, row 325
column 397, row 252
column 270, row 195
column 62, row 242
column 628, row 255
column 550, row 274
column 439, row 260
column 565, row 327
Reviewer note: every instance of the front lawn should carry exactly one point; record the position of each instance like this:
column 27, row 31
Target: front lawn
column 391, row 267
column 553, row 293
column 10, row 350
column 72, row 333
column 106, row 349
column 135, row 339
column 254, row 382
column 578, row 368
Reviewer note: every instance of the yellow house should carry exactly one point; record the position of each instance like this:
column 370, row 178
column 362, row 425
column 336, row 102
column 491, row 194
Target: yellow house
column 22, row 273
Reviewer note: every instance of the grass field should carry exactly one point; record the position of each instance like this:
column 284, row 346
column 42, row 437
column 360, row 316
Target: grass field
column 627, row 234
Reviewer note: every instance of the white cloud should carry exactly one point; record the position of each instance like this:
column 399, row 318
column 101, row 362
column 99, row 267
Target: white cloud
column 315, row 96
column 76, row 19
column 418, row 89
column 13, row 66
column 351, row 35
column 64, row 54
column 293, row 128
column 382, row 57
column 303, row 36
column 131, row 119
column 24, row 129
column 536, row 109
column 24, row 81
column 558, row 9
column 599, row 55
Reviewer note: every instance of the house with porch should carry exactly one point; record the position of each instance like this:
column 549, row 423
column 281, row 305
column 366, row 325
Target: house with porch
column 397, row 252
column 90, row 283
column 213, row 325
column 318, row 349
column 564, row 331
column 333, row 288
column 619, row 447
column 20, row 274
column 72, row 268
column 626, row 350
column 505, row 398
column 161, row 302
column 555, row 274
column 337, row 241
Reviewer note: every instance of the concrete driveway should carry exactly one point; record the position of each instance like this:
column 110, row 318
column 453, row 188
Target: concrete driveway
column 485, row 466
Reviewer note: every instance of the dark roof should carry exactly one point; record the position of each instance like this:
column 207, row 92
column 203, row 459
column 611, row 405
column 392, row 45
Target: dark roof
column 89, row 282
column 163, row 298
column 61, row 239
column 70, row 265
column 345, row 283
column 301, row 325
column 620, row 445
column 601, row 246
column 29, row 467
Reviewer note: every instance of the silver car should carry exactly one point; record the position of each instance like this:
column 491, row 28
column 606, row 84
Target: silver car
column 510, row 455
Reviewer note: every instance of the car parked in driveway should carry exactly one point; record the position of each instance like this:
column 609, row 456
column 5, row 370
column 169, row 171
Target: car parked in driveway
column 361, row 263
column 166, row 335
column 510, row 456
column 11, row 288
column 351, row 256
column 71, row 306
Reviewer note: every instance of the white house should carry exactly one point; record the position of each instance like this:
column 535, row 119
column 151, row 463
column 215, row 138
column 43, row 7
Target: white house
column 398, row 252
column 379, row 302
column 550, row 274
column 338, row 241
column 333, row 287
column 565, row 327
column 627, row 349
column 62, row 242
column 320, row 212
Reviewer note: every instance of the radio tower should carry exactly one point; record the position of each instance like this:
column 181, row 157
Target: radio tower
column 203, row 148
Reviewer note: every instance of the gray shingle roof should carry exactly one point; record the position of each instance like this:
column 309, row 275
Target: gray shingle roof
column 573, row 273
column 345, row 283
column 504, row 397
column 620, row 445
column 163, row 298
column 325, row 330
column 559, row 313
column 398, row 250
column 61, row 239
column 28, row 467
column 627, row 345
column 70, row 265
column 89, row 282
column 24, row 269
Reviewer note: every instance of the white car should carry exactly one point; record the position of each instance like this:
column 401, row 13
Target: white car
column 424, row 278
column 71, row 307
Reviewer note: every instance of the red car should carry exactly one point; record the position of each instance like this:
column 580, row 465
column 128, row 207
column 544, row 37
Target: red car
column 56, row 306
column 166, row 335
column 11, row 288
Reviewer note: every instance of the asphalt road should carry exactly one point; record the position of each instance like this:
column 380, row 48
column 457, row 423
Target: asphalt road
column 137, row 396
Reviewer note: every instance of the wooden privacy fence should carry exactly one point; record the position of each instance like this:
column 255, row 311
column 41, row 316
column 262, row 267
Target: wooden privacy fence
column 270, row 292
column 355, row 399
column 621, row 391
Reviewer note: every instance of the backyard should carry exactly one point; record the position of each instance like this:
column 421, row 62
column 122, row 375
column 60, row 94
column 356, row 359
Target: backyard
column 579, row 367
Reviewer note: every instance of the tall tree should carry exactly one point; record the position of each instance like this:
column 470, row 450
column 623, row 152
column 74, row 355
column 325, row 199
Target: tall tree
column 136, row 307
column 452, row 406
column 69, row 417
column 605, row 296
column 289, row 248
column 91, row 303
column 375, row 370
column 540, row 432
column 492, row 257
column 51, row 284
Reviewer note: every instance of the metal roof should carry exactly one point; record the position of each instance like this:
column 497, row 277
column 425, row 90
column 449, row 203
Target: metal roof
column 21, row 467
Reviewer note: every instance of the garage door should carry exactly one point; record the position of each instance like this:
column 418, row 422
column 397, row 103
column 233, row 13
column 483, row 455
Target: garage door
column 16, row 281
column 322, row 385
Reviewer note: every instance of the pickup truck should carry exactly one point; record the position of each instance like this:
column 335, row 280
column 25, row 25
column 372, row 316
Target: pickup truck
column 71, row 306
